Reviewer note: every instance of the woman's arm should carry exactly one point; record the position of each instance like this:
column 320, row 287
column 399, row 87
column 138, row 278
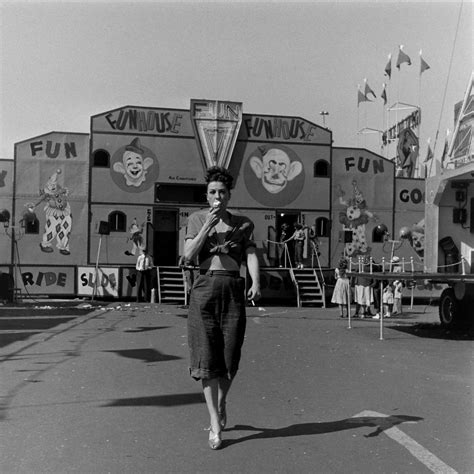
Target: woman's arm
column 254, row 271
column 287, row 240
column 194, row 245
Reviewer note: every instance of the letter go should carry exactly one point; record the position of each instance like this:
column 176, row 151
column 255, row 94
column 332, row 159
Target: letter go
column 415, row 195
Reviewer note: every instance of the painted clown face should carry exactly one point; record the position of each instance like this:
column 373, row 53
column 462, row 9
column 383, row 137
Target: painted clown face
column 418, row 241
column 353, row 212
column 133, row 167
column 275, row 169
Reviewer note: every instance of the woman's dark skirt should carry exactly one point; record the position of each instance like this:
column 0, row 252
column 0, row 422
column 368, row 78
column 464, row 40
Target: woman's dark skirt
column 216, row 326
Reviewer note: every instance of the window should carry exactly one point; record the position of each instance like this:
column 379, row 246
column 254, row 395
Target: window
column 101, row 158
column 322, row 227
column 181, row 193
column 321, row 168
column 117, row 221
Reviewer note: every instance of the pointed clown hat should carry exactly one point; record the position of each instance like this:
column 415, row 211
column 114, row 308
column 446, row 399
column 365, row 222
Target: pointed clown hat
column 53, row 180
column 135, row 146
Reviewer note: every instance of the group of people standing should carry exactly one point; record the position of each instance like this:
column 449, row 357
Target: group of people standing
column 299, row 237
column 365, row 291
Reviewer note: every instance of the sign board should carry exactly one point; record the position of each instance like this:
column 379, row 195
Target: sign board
column 216, row 124
column 106, row 283
column 47, row 280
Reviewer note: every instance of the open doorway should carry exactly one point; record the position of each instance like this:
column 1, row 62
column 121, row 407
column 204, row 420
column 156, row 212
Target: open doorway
column 285, row 226
column 165, row 237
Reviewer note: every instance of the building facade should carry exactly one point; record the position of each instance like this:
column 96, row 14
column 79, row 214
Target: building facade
column 135, row 179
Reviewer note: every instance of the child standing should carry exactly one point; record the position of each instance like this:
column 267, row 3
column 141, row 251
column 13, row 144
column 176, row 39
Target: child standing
column 387, row 299
column 342, row 290
column 397, row 297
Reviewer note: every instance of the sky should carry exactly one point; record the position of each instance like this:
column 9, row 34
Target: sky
column 62, row 62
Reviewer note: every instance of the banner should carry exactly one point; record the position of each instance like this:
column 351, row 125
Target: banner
column 106, row 283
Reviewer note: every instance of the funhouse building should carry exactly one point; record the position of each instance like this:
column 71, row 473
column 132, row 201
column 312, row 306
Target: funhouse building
column 76, row 208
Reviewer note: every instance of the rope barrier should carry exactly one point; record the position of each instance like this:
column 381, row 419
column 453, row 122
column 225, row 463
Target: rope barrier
column 360, row 263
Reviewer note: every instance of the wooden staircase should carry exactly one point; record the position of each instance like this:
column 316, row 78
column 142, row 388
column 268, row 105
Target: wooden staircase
column 309, row 291
column 172, row 287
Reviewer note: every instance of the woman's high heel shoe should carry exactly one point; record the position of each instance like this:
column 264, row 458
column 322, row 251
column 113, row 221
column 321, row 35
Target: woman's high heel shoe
column 215, row 440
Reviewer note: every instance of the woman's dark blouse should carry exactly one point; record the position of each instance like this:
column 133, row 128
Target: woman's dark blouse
column 237, row 239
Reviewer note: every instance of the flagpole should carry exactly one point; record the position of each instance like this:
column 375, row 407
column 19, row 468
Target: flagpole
column 418, row 159
column 419, row 129
column 433, row 158
column 358, row 126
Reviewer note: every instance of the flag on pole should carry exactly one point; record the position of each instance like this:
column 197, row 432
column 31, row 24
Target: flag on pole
column 361, row 97
column 368, row 90
column 444, row 156
column 388, row 67
column 384, row 94
column 429, row 152
column 402, row 57
column 423, row 65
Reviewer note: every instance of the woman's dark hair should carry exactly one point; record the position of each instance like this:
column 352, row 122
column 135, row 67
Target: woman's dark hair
column 218, row 173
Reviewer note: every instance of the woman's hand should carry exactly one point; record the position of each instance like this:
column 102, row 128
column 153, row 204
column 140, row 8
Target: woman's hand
column 213, row 217
column 254, row 293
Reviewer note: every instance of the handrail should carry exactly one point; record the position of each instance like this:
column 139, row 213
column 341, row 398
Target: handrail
column 315, row 253
column 286, row 252
column 293, row 278
column 158, row 282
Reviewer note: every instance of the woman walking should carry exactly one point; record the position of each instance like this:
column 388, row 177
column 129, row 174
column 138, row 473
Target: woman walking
column 219, row 241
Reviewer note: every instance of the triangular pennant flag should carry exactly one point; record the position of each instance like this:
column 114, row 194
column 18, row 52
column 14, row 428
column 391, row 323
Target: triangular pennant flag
column 444, row 156
column 402, row 57
column 384, row 94
column 388, row 67
column 429, row 152
column 423, row 65
column 361, row 97
column 368, row 90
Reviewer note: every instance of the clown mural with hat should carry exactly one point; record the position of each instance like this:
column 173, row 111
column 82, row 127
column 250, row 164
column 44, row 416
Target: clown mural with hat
column 57, row 210
column 134, row 165
column 355, row 218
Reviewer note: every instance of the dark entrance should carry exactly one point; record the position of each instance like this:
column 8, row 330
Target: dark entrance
column 290, row 219
column 165, row 237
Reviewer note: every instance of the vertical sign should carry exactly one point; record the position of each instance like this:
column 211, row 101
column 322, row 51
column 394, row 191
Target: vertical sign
column 216, row 126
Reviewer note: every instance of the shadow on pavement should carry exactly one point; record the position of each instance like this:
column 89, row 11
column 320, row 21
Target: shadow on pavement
column 305, row 429
column 145, row 355
column 52, row 309
column 146, row 329
column 436, row 331
column 159, row 400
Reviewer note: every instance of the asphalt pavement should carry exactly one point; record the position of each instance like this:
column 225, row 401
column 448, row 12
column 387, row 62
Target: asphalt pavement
column 104, row 388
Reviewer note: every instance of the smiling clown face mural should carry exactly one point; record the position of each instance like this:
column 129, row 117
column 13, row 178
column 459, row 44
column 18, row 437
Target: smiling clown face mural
column 135, row 167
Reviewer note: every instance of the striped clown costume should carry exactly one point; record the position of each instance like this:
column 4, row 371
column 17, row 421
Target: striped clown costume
column 58, row 216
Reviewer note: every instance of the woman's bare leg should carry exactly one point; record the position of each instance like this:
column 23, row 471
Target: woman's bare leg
column 224, row 387
column 211, row 394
